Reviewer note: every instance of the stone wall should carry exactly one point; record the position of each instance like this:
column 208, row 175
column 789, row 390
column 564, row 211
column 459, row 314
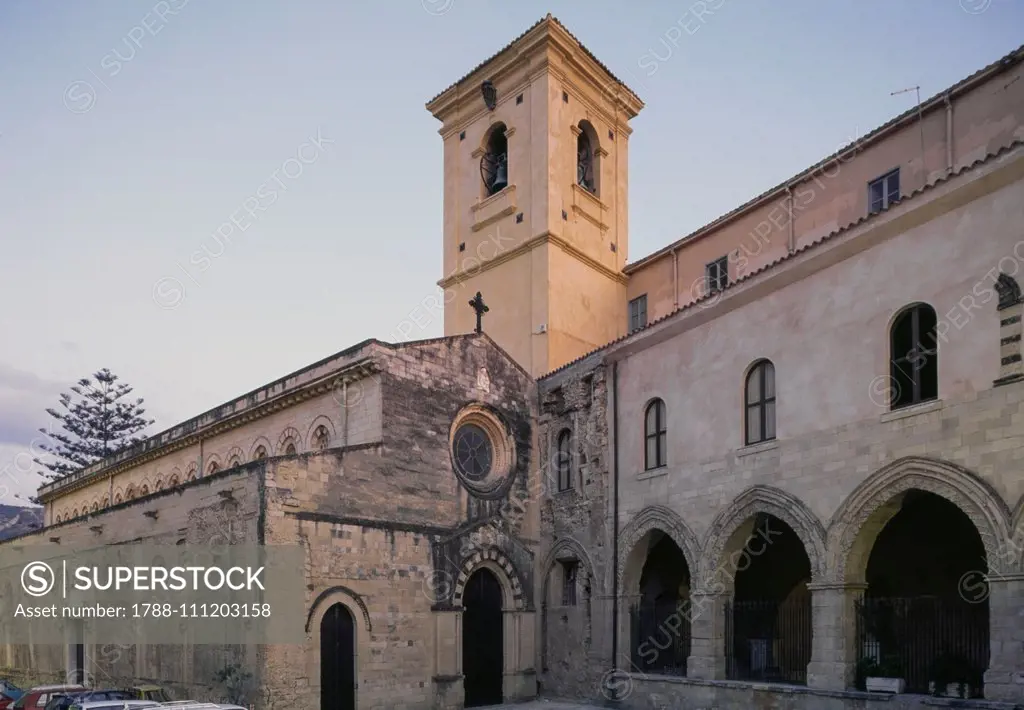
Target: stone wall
column 195, row 513
column 841, row 462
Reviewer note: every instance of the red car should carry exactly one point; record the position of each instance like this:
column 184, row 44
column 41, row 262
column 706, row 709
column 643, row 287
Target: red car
column 7, row 700
column 36, row 698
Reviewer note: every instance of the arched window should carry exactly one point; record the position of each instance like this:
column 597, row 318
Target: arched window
column 587, row 171
column 144, row 491
column 760, row 403
column 213, row 468
column 564, row 461
column 234, row 461
column 261, row 452
column 494, row 162
column 321, row 438
column 289, row 449
column 174, row 480
column 913, row 355
column 655, row 435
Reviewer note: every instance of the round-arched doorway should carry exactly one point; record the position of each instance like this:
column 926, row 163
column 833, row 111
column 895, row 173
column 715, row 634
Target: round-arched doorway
column 338, row 659
column 482, row 640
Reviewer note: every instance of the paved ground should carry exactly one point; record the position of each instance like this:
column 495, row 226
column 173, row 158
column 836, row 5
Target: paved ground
column 543, row 705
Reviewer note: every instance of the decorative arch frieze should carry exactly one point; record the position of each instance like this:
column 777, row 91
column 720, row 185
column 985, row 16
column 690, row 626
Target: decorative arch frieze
column 320, row 421
column 268, row 448
column 494, row 560
column 860, row 518
column 290, row 435
column 773, row 501
column 327, row 598
column 191, row 474
column 211, row 464
column 651, row 518
column 234, row 457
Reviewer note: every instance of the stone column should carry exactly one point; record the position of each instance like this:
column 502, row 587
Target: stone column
column 449, row 692
column 1004, row 679
column 707, row 630
column 834, row 634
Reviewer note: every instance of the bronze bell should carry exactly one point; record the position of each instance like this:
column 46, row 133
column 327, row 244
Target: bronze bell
column 500, row 175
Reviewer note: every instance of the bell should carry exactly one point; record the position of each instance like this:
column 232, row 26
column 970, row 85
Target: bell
column 500, row 177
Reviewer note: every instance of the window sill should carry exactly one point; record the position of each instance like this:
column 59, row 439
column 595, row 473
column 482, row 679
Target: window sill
column 652, row 473
column 757, row 448
column 913, row 410
column 490, row 209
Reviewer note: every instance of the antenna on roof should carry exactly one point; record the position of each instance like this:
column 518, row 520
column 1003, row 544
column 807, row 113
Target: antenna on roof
column 920, row 122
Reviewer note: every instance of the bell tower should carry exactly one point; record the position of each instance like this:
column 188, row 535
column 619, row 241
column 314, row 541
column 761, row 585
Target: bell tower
column 535, row 189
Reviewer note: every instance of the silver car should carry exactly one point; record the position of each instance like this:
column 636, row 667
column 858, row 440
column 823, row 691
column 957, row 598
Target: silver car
column 114, row 705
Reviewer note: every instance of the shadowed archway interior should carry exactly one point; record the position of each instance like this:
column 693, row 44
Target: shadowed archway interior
column 482, row 640
column 925, row 613
column 338, row 659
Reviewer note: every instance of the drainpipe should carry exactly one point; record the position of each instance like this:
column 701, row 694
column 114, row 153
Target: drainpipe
column 199, row 473
column 615, row 517
column 791, row 246
column 949, row 134
column 344, row 413
column 675, row 279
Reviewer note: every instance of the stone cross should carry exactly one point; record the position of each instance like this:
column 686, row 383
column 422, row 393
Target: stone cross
column 478, row 305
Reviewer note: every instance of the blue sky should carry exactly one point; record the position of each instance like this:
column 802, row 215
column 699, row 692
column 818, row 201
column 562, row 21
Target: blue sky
column 130, row 132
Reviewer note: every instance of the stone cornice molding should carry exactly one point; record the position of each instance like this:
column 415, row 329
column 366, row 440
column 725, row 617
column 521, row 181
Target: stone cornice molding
column 357, row 370
column 458, row 277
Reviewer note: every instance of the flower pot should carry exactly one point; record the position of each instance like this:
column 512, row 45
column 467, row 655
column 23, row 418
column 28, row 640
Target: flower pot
column 952, row 690
column 884, row 685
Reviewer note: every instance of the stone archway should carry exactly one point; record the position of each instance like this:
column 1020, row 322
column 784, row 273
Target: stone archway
column 658, row 561
column 861, row 517
column 767, row 636
column 338, row 659
column 518, row 629
column 731, row 528
column 483, row 642
column 337, row 625
column 876, row 515
column 566, row 621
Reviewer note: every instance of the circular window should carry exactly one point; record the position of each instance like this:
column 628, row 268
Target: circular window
column 474, row 453
column 482, row 451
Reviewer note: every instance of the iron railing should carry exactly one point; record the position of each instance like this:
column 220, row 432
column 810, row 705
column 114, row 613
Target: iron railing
column 768, row 641
column 661, row 637
column 924, row 640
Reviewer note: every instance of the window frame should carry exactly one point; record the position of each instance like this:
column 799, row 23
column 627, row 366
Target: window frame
column 638, row 320
column 659, row 435
column 564, row 464
column 912, row 312
column 570, row 582
column 760, row 404
column 716, row 275
column 885, row 200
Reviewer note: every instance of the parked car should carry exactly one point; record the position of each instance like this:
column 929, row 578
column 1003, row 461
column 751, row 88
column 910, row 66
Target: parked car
column 60, row 701
column 8, row 687
column 114, row 705
column 8, row 698
column 37, row 698
column 149, row 692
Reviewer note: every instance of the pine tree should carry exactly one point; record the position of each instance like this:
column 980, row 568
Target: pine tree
column 97, row 423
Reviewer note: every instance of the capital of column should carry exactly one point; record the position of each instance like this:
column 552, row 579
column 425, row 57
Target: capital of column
column 1012, row 577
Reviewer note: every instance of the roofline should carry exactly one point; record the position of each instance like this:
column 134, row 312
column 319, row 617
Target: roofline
column 938, row 101
column 437, row 104
column 608, row 350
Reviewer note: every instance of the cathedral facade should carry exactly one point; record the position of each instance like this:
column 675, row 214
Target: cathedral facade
column 771, row 463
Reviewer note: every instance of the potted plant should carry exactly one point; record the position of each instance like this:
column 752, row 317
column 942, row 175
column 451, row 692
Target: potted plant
column 953, row 676
column 885, row 677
